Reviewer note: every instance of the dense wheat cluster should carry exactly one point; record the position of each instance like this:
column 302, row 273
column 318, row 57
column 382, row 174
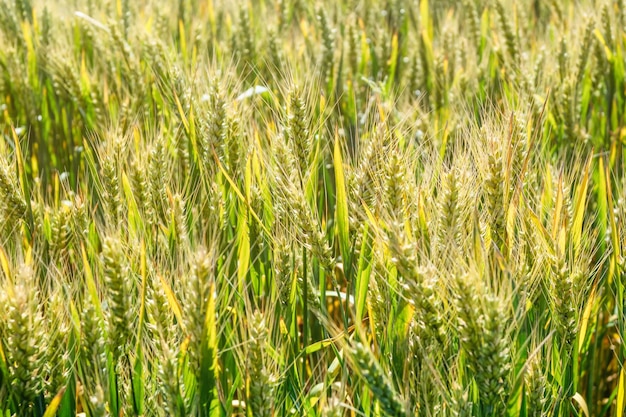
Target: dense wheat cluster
column 312, row 208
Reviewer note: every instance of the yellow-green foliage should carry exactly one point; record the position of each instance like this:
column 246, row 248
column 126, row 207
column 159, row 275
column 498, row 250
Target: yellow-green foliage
column 312, row 208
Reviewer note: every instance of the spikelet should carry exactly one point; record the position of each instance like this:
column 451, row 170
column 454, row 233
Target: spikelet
column 126, row 17
column 261, row 380
column 214, row 128
column 440, row 86
column 159, row 315
column 24, row 341
column 81, row 219
column 39, row 213
column 566, row 110
column 395, row 186
column 473, row 21
column 563, row 58
column 512, row 42
column 182, row 152
column 257, row 206
column 537, row 75
column 128, row 55
column 448, row 227
column 92, row 347
column 10, row 193
column 361, row 180
column 111, row 189
column 168, row 382
column 450, row 44
column 293, row 205
column 67, row 82
column 600, row 69
column 378, row 300
column 484, row 340
column 282, row 268
column 536, row 388
column 311, row 232
column 354, row 48
column 274, row 52
column 234, row 146
column 58, row 365
column 391, row 404
column 197, row 291
column 420, row 286
column 61, row 226
column 179, row 221
column 116, row 279
column 585, row 49
column 297, row 130
column 328, row 46
column 140, row 185
column 519, row 151
column 157, row 180
column 247, row 36
column 461, row 405
column 382, row 50
column 245, row 41
column 607, row 27
column 495, row 197
column 286, row 164
column 563, row 301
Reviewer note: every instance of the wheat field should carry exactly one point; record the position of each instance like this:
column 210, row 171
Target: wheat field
column 312, row 208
